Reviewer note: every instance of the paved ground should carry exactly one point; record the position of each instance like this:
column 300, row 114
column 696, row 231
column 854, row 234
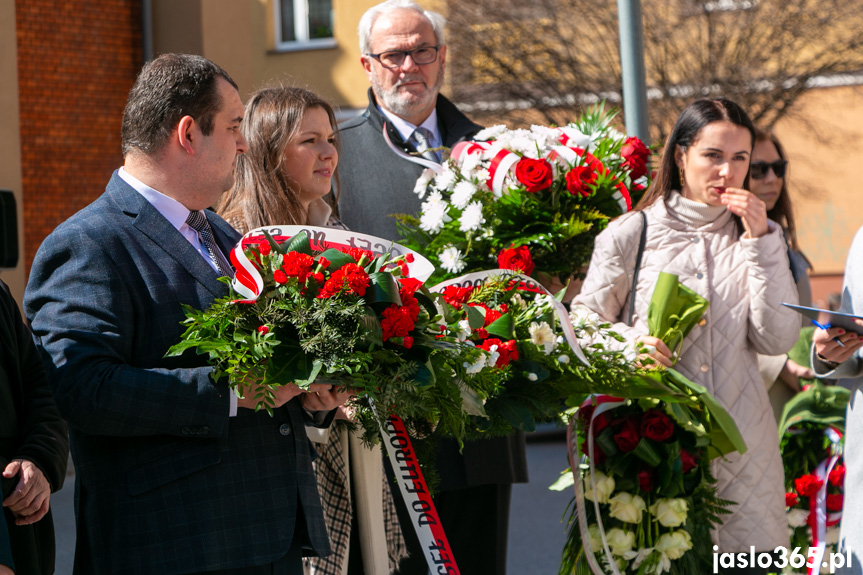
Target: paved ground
column 536, row 532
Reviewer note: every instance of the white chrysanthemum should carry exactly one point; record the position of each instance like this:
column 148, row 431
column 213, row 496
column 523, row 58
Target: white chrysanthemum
column 518, row 302
column 471, row 219
column 797, row 517
column 482, row 176
column 451, row 259
column 541, row 334
column 421, row 186
column 445, row 180
column 490, row 133
column 470, row 162
column 433, row 218
column 462, row 194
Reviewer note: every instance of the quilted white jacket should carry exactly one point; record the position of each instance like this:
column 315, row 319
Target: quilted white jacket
column 745, row 280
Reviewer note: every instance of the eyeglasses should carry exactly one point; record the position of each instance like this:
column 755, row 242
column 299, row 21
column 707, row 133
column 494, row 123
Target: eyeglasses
column 758, row 170
column 395, row 58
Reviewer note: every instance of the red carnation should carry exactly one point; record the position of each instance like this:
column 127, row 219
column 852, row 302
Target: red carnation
column 323, row 262
column 349, row 278
column 491, row 315
column 280, row 277
column 456, row 296
column 507, row 351
column 359, row 254
column 687, row 460
column 536, row 175
column 410, row 285
column 298, row 265
column 791, row 499
column 808, row 485
column 656, row 425
column 627, row 437
column 834, row 502
column 516, row 259
column 263, row 330
column 408, row 342
column 837, row 476
column 635, row 155
column 481, row 332
column 579, row 180
column 264, row 248
column 645, row 480
column 409, row 258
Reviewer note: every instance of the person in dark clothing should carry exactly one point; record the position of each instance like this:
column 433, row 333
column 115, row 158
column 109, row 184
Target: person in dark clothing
column 34, row 448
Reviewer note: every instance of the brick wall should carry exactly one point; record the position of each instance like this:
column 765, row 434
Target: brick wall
column 77, row 61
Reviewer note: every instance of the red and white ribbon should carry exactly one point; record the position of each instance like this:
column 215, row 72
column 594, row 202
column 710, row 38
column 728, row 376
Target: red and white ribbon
column 527, row 284
column 417, row 498
column 249, row 283
column 433, row 166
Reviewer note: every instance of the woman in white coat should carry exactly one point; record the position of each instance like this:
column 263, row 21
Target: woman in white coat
column 704, row 226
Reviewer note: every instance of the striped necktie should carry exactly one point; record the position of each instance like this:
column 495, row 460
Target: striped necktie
column 421, row 138
column 198, row 222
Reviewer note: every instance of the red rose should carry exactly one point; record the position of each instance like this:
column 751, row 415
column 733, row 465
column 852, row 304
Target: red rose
column 516, row 259
column 627, row 437
column 656, row 425
column 456, row 296
column 834, row 502
column 534, row 174
column 263, row 330
column 635, row 155
column 645, row 480
column 688, row 461
column 837, row 476
column 280, row 277
column 808, row 485
column 598, row 453
column 791, row 499
column 579, row 180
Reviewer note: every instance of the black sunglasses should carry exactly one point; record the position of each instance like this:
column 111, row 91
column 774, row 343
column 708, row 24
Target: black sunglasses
column 758, row 170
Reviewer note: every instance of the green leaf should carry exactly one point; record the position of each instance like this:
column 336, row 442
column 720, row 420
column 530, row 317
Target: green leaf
column 337, row 259
column 474, row 317
column 298, row 243
column 502, row 327
column 516, row 414
column 383, row 289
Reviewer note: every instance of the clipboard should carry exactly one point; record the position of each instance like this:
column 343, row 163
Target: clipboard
column 824, row 316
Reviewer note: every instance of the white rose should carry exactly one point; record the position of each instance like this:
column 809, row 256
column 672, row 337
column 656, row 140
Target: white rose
column 675, row 544
column 620, row 541
column 670, row 512
column 797, row 517
column 627, row 507
column 604, row 487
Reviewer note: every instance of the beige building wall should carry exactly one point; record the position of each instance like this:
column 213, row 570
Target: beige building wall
column 10, row 138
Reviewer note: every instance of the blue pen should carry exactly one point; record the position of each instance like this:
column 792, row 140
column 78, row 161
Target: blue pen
column 825, row 327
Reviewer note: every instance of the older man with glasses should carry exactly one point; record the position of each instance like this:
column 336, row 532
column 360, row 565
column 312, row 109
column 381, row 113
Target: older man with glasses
column 404, row 55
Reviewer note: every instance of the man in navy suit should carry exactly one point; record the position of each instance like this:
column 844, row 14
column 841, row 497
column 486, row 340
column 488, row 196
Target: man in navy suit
column 174, row 474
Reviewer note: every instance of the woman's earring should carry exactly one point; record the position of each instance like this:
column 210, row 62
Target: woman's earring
column 682, row 178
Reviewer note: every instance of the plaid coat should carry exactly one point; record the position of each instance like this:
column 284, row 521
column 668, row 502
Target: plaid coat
column 166, row 481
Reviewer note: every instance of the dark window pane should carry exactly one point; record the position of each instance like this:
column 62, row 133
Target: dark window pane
column 287, row 9
column 320, row 18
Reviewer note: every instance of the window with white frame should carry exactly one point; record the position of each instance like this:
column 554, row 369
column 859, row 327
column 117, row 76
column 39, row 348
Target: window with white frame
column 303, row 24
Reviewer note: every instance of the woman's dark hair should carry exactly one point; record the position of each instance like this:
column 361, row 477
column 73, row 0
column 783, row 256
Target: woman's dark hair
column 262, row 194
column 167, row 89
column 687, row 129
column 782, row 213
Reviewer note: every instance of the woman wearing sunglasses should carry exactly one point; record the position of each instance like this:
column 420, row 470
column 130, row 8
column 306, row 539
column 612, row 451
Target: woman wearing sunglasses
column 767, row 180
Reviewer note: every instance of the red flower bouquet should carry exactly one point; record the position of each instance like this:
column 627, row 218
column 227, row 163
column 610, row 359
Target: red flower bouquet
column 305, row 312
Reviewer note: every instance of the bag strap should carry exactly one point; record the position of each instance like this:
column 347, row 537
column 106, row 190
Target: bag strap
column 638, row 255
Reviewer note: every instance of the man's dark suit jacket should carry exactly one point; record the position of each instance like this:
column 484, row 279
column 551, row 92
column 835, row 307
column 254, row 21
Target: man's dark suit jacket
column 374, row 183
column 30, row 428
column 166, row 481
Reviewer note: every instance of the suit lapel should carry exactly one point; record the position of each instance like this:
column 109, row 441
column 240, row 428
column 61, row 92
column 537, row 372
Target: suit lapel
column 166, row 237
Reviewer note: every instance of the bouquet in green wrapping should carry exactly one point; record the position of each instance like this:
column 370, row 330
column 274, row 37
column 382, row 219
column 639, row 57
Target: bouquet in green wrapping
column 645, row 497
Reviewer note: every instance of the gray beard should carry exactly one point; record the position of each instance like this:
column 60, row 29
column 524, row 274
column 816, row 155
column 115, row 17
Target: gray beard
column 404, row 105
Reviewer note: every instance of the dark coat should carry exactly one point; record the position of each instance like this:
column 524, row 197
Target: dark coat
column 375, row 183
column 30, row 428
column 166, row 481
